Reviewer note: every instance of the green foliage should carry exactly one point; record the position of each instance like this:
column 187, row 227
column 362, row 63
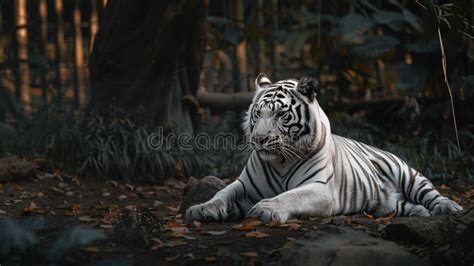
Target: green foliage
column 114, row 146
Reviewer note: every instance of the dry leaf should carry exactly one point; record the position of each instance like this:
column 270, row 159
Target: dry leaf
column 216, row 233
column 85, row 219
column 251, row 254
column 173, row 223
column 73, row 210
column 175, row 243
column 106, row 226
column 277, row 224
column 58, row 190
column 256, row 234
column 386, row 218
column 122, row 197
column 369, row 216
column 211, row 258
column 111, row 217
column 173, row 209
column 91, row 249
column 172, row 258
column 247, row 224
column 159, row 244
column 294, row 226
column 32, row 208
column 114, row 183
column 178, row 231
column 197, row 224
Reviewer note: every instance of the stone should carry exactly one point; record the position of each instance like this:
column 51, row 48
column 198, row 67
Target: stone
column 336, row 245
column 197, row 192
column 8, row 133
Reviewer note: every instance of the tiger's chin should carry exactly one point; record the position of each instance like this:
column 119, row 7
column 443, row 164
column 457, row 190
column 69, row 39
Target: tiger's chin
column 268, row 155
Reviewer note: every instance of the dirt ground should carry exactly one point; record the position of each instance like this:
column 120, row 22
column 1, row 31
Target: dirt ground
column 66, row 201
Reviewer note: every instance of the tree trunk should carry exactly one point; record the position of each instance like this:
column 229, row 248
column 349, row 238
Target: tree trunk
column 148, row 55
column 80, row 93
column 43, row 13
column 94, row 23
column 240, row 50
column 23, row 68
column 275, row 55
column 260, row 45
column 60, row 50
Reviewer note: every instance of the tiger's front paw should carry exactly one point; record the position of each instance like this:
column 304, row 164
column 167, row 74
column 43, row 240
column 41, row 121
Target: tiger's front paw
column 212, row 210
column 445, row 206
column 269, row 210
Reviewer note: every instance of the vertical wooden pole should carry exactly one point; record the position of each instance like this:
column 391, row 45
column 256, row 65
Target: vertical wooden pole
column 275, row 56
column 79, row 56
column 94, row 23
column 22, row 41
column 260, row 49
column 60, row 49
column 2, row 49
column 240, row 50
column 43, row 13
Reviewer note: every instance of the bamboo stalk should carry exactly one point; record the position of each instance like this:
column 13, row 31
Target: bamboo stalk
column 60, row 49
column 261, row 62
column 43, row 13
column 80, row 94
column 22, row 41
column 240, row 50
column 275, row 55
column 94, row 23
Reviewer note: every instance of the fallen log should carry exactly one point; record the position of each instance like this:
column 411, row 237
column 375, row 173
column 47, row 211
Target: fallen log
column 224, row 101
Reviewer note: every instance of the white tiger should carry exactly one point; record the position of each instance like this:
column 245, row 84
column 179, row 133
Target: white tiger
column 297, row 167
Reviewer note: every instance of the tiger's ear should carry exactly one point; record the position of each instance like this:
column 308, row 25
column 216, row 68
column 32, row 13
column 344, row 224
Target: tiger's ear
column 308, row 86
column 262, row 81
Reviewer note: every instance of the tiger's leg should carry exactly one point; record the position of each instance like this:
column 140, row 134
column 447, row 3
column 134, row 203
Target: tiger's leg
column 229, row 202
column 405, row 208
column 310, row 199
column 419, row 190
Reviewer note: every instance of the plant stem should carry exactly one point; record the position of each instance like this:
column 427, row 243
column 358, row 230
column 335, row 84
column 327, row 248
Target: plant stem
column 443, row 63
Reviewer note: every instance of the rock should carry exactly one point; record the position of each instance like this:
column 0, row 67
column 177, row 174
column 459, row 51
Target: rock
column 8, row 133
column 200, row 191
column 335, row 245
column 435, row 229
column 445, row 240
column 14, row 237
column 14, row 168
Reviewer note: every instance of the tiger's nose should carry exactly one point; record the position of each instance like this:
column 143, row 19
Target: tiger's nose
column 260, row 140
column 263, row 139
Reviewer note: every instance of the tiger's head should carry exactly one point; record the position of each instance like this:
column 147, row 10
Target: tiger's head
column 282, row 121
